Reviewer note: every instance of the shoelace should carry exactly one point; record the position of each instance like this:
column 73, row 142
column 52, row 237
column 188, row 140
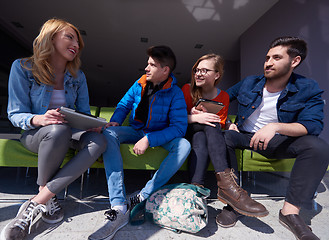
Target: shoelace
column 111, row 214
column 134, row 201
column 240, row 189
column 28, row 216
column 52, row 206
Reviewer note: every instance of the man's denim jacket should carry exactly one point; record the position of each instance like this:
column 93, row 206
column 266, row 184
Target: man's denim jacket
column 27, row 98
column 299, row 102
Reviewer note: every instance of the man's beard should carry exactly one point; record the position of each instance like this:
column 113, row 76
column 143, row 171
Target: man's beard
column 279, row 74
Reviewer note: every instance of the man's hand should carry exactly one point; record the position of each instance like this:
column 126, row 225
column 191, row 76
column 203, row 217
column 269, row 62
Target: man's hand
column 141, row 146
column 266, row 133
column 262, row 137
column 50, row 117
column 232, row 126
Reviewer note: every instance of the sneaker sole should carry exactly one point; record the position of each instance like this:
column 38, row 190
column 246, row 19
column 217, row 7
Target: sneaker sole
column 249, row 214
column 109, row 237
column 112, row 235
column 52, row 221
column 2, row 235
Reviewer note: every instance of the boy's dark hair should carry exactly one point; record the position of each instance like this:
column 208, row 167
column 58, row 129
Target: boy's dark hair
column 164, row 55
column 296, row 46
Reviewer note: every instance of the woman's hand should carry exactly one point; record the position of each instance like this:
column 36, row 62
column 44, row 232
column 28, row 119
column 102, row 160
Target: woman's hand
column 50, row 117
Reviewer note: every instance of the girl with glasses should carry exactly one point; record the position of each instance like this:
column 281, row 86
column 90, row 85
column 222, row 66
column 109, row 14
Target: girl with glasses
column 207, row 139
column 204, row 129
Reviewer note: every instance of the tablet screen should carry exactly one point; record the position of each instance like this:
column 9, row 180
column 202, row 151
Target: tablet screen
column 210, row 105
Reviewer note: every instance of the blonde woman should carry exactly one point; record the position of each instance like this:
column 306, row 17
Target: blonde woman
column 38, row 86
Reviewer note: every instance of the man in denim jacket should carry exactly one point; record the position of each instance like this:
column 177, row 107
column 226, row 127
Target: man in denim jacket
column 280, row 115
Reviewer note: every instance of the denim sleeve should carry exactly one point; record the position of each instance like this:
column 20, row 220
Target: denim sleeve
column 311, row 116
column 233, row 91
column 82, row 100
column 19, row 103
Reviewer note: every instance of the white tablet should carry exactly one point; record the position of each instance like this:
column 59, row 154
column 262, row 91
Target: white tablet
column 80, row 120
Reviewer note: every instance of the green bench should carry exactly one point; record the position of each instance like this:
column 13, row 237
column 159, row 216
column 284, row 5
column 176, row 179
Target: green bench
column 13, row 154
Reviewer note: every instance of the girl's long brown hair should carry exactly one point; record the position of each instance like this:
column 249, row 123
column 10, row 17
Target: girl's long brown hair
column 218, row 66
column 43, row 47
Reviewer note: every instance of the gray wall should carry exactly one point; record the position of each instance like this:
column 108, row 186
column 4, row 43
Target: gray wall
column 308, row 19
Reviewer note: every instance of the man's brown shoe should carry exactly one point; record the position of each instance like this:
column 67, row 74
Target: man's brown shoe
column 227, row 217
column 229, row 192
column 297, row 226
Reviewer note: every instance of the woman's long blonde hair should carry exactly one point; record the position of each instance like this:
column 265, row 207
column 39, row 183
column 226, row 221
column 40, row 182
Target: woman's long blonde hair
column 43, row 47
column 218, row 66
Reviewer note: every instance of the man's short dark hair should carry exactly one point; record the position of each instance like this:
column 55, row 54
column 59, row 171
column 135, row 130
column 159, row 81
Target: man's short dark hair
column 164, row 55
column 296, row 46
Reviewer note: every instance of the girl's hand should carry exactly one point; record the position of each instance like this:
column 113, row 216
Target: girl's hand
column 195, row 111
column 50, row 117
column 206, row 118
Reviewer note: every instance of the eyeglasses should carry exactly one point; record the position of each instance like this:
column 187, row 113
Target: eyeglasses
column 203, row 71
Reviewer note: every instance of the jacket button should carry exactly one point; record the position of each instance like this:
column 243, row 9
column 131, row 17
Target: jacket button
column 253, row 107
column 243, row 117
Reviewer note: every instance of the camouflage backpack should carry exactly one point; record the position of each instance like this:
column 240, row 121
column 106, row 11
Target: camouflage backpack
column 179, row 207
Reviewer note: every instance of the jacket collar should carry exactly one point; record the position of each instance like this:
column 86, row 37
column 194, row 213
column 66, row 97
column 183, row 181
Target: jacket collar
column 171, row 81
column 260, row 85
column 291, row 87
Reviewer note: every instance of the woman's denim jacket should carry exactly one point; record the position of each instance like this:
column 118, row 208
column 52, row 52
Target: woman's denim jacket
column 299, row 102
column 27, row 98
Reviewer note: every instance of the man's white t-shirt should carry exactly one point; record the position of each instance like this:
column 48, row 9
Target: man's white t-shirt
column 266, row 113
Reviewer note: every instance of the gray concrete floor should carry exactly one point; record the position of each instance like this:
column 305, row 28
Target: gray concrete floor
column 84, row 214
